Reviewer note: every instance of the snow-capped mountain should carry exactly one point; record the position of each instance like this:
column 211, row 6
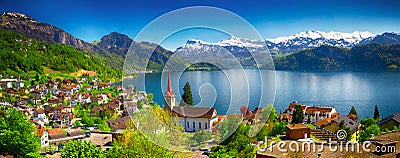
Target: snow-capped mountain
column 196, row 49
column 351, row 38
column 236, row 46
column 310, row 39
column 289, row 44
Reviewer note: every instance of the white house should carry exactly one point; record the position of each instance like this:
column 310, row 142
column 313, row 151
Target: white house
column 44, row 135
column 19, row 84
column 7, row 83
column 62, row 108
column 191, row 118
column 315, row 113
column 4, row 103
column 40, row 116
column 195, row 118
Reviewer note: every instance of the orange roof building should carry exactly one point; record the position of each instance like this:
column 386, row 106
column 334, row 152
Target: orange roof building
column 314, row 113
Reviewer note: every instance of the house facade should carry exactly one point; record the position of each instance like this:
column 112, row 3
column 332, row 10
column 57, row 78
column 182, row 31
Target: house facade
column 297, row 131
column 195, row 118
column 314, row 113
column 191, row 118
column 43, row 134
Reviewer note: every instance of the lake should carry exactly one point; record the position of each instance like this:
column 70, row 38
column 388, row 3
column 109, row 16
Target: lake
column 341, row 90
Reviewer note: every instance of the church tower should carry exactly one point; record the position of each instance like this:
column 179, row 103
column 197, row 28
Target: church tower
column 169, row 97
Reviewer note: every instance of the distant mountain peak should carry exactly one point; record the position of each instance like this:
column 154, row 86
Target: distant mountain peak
column 354, row 37
column 115, row 42
column 387, row 38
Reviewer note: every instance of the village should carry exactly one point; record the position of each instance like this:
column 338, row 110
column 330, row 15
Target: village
column 96, row 111
column 70, row 109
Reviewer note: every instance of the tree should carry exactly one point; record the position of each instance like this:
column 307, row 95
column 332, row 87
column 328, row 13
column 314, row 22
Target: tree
column 353, row 111
column 366, row 134
column 134, row 144
column 82, row 149
column 279, row 128
column 89, row 122
column 377, row 117
column 32, row 82
column 298, row 116
column 104, row 126
column 37, row 78
column 342, row 126
column 369, row 127
column 264, row 132
column 269, row 113
column 367, row 122
column 150, row 97
column 228, row 126
column 201, row 136
column 17, row 134
column 187, row 97
column 78, row 123
column 101, row 114
column 237, row 145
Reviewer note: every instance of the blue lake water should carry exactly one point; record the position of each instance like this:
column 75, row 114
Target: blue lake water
column 341, row 90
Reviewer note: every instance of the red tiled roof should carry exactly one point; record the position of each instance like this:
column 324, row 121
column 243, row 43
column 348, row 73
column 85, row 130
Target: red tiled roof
column 353, row 117
column 97, row 108
column 61, row 107
column 55, row 131
column 318, row 109
column 40, row 111
column 40, row 130
column 287, row 116
column 325, row 122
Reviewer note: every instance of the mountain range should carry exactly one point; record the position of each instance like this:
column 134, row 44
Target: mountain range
column 283, row 45
column 287, row 52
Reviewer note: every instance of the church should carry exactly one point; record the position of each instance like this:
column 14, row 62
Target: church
column 192, row 118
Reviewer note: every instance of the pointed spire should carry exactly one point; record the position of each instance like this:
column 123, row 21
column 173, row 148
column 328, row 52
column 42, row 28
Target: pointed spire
column 169, row 89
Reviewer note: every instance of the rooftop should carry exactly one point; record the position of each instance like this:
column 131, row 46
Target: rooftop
column 395, row 117
column 191, row 111
column 297, row 126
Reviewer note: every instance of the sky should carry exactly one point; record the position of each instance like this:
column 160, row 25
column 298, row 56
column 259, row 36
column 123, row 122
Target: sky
column 90, row 20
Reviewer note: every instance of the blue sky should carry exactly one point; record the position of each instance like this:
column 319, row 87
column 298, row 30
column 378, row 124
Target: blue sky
column 90, row 20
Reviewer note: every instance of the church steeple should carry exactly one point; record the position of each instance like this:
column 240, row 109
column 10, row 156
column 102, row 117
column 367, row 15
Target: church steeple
column 169, row 89
column 169, row 97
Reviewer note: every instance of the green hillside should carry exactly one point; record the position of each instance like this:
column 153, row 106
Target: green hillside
column 21, row 56
column 368, row 57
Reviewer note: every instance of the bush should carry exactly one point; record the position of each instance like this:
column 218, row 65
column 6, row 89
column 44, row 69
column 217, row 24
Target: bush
column 201, row 136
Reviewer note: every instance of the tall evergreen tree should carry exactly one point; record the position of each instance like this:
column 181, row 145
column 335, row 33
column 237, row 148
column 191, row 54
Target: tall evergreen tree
column 377, row 116
column 298, row 116
column 187, row 95
column 353, row 111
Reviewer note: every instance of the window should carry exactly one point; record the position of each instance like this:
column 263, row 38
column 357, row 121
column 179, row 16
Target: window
column 194, row 124
column 199, row 125
column 205, row 124
column 187, row 124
